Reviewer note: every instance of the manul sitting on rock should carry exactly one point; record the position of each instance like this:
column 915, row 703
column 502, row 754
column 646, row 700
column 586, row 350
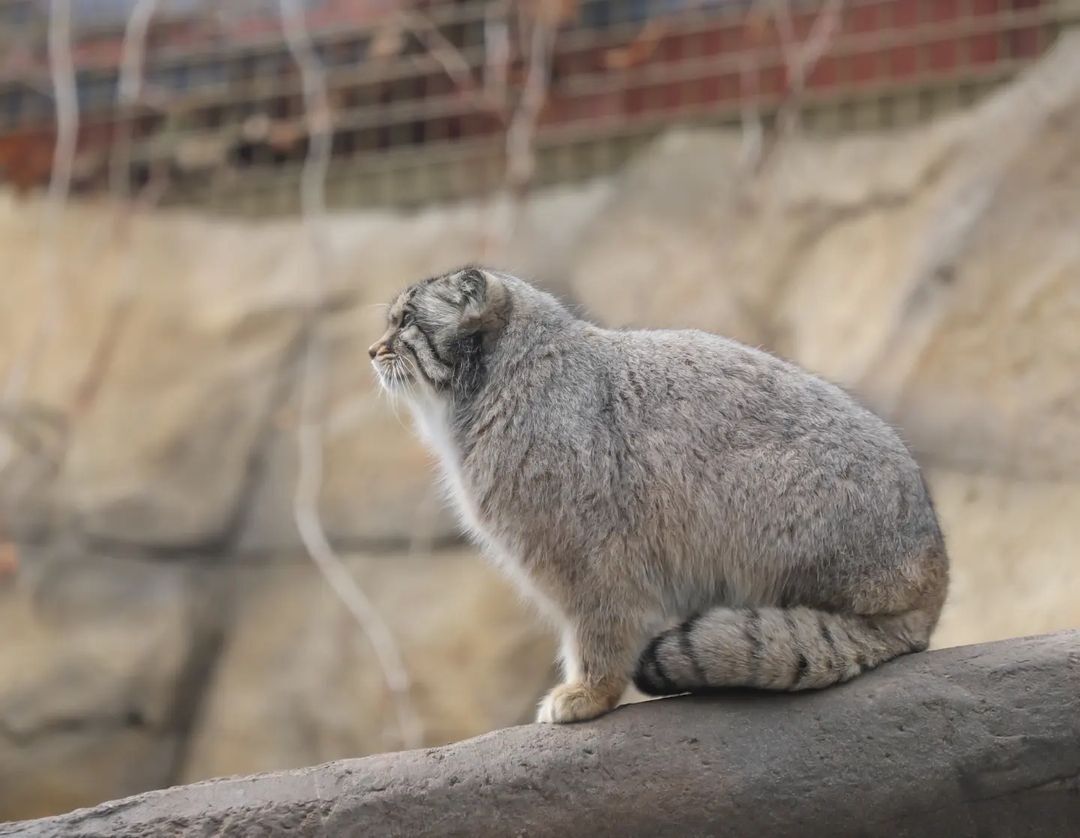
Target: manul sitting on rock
column 690, row 512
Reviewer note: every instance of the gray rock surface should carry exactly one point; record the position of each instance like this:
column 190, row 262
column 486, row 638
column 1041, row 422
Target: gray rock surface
column 978, row 740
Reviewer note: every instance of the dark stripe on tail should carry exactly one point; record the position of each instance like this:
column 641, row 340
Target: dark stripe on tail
column 752, row 630
column 802, row 663
column 650, row 676
column 801, row 669
column 771, row 648
column 688, row 649
column 826, row 635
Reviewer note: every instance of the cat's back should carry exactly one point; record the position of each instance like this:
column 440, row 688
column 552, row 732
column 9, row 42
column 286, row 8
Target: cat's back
column 772, row 447
column 712, row 383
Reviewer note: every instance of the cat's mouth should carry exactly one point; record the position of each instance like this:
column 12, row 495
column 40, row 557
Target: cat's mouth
column 395, row 372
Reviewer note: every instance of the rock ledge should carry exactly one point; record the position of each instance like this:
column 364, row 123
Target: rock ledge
column 976, row 740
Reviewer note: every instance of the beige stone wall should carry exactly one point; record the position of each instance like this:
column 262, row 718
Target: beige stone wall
column 163, row 623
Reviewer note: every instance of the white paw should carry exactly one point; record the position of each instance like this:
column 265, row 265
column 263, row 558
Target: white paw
column 574, row 702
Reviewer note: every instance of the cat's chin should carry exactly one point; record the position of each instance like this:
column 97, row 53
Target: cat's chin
column 393, row 378
column 399, row 383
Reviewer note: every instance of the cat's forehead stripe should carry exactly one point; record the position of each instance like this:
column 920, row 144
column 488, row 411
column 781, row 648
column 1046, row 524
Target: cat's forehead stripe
column 410, row 294
column 395, row 306
column 402, row 300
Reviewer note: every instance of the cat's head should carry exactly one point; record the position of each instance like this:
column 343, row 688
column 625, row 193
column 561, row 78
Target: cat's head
column 438, row 330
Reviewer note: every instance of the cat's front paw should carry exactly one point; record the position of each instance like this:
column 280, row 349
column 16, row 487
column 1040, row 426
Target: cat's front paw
column 576, row 702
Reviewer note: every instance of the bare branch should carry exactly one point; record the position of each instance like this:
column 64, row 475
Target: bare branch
column 497, row 52
column 753, row 130
column 522, row 120
column 450, row 58
column 800, row 59
column 520, row 153
column 133, row 52
column 493, row 95
column 640, row 49
column 822, row 34
column 780, row 10
column 317, row 115
column 310, row 440
column 62, row 71
column 128, row 91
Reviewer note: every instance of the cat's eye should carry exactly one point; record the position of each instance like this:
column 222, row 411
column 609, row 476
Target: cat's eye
column 406, row 320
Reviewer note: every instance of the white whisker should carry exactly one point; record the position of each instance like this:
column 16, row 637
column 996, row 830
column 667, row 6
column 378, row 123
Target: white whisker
column 392, row 392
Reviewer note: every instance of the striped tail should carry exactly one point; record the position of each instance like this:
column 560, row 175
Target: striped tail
column 775, row 649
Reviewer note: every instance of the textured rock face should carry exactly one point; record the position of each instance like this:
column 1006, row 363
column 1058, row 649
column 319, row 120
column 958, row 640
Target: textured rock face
column 297, row 683
column 168, row 627
column 980, row 740
column 96, row 655
column 1015, row 562
column 102, row 656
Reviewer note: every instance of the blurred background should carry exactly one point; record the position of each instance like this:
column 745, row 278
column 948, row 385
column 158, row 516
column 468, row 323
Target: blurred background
column 220, row 549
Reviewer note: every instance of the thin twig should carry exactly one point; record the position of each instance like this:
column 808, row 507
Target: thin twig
column 317, row 117
column 800, row 59
column 310, row 440
column 753, row 130
column 454, row 64
column 497, row 52
column 641, row 47
column 128, row 91
column 62, row 72
column 522, row 120
column 520, row 156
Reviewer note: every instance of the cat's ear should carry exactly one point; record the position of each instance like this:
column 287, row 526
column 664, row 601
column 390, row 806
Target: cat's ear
column 486, row 301
column 472, row 283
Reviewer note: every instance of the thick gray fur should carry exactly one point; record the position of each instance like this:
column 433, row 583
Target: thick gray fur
column 690, row 512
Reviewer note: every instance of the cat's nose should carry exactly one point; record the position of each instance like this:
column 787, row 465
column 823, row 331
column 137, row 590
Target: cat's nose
column 375, row 350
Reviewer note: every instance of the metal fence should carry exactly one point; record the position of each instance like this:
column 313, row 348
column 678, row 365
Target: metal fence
column 220, row 120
